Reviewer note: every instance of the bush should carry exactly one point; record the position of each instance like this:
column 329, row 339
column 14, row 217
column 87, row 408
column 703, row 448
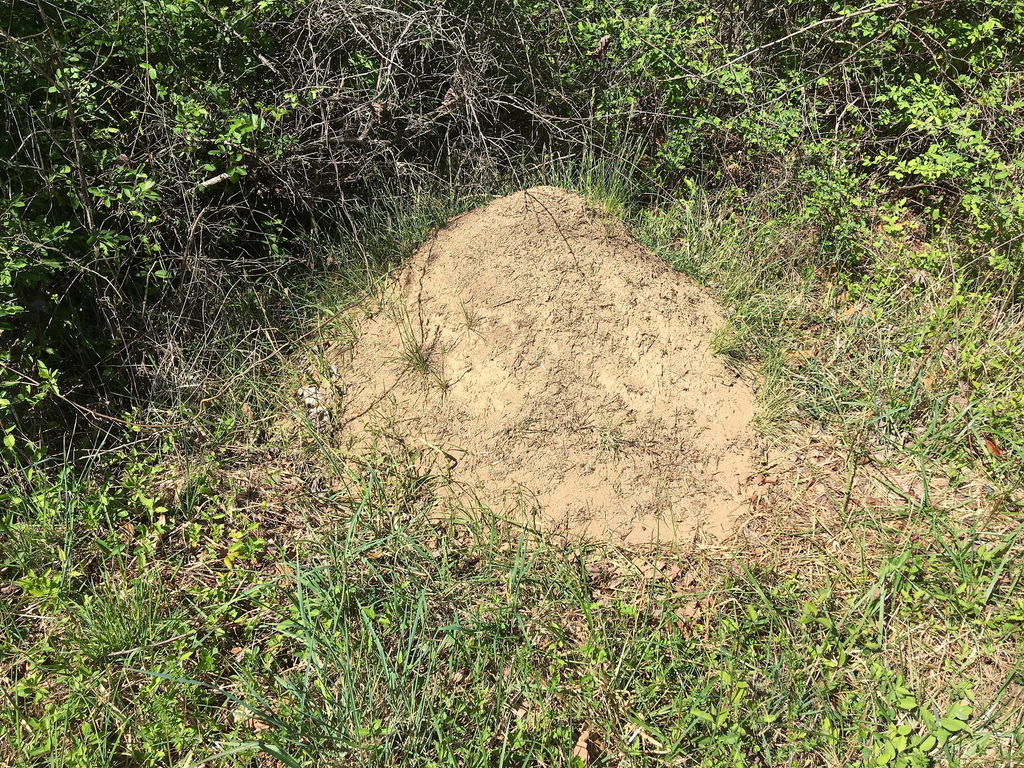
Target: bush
column 166, row 162
column 856, row 112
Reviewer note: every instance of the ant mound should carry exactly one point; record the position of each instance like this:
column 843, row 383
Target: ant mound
column 560, row 371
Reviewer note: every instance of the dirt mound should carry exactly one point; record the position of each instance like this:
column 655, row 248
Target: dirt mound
column 562, row 370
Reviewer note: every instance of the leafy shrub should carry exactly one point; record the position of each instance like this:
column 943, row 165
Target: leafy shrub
column 854, row 111
column 166, row 160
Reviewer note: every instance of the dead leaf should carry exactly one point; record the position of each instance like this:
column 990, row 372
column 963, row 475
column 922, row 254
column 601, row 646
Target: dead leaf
column 602, row 48
column 993, row 448
column 688, row 612
column 257, row 726
column 851, row 310
column 582, row 748
column 798, row 357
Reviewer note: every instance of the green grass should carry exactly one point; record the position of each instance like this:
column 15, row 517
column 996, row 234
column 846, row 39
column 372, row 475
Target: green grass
column 218, row 595
column 376, row 636
column 910, row 351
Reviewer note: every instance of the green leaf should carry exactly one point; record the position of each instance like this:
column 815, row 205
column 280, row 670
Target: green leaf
column 953, row 725
column 960, row 711
column 886, row 755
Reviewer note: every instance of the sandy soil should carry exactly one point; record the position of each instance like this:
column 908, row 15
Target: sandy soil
column 562, row 370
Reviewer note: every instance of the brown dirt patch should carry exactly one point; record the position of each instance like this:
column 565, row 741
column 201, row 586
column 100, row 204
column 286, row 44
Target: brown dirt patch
column 562, row 370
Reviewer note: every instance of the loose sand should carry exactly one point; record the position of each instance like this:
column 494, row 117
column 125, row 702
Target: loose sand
column 564, row 372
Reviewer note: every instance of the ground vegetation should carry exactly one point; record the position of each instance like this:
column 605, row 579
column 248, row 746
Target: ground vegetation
column 197, row 193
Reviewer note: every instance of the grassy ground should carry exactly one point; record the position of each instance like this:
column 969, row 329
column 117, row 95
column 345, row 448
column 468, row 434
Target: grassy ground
column 215, row 595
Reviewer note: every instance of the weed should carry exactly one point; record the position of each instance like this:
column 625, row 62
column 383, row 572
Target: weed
column 417, row 353
column 612, row 438
column 726, row 341
column 470, row 320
